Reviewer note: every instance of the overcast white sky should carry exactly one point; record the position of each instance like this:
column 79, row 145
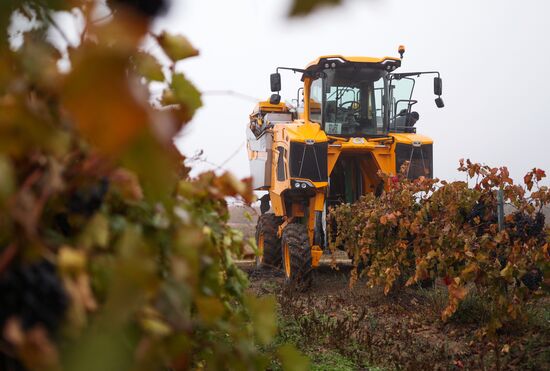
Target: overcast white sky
column 492, row 54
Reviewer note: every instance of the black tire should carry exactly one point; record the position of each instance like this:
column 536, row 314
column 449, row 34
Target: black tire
column 297, row 267
column 267, row 227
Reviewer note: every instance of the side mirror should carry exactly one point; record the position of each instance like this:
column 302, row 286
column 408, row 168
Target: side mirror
column 275, row 80
column 438, row 86
column 439, row 102
column 275, row 99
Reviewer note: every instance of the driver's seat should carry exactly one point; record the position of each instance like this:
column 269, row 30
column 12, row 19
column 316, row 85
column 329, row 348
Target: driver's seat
column 330, row 110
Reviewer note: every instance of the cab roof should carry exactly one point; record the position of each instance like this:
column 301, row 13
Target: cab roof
column 321, row 61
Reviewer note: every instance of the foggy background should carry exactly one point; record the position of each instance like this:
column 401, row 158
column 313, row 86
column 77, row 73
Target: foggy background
column 492, row 56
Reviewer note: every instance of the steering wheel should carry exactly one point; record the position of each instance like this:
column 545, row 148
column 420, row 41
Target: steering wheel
column 354, row 105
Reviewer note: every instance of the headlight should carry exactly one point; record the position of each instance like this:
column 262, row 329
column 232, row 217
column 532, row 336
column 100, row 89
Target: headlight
column 303, row 184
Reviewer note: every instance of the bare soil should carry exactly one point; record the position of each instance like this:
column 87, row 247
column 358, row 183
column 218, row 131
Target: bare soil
column 401, row 330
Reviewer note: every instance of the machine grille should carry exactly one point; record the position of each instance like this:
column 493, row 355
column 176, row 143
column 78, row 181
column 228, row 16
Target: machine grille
column 309, row 161
column 421, row 159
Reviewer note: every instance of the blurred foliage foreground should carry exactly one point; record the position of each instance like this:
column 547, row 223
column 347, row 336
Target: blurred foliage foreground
column 109, row 258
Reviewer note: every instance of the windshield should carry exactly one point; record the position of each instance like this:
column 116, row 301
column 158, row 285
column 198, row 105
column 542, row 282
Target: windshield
column 348, row 101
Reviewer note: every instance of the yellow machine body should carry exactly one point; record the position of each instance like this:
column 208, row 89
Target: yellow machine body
column 279, row 132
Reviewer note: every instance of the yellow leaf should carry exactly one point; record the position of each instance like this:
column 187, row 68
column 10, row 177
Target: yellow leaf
column 70, row 260
column 469, row 272
column 155, row 327
column 431, row 254
column 96, row 233
column 507, row 271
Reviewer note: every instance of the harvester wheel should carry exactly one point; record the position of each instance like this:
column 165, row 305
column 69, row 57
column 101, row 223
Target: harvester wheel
column 297, row 255
column 269, row 251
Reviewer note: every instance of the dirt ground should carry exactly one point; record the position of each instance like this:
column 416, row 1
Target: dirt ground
column 401, row 330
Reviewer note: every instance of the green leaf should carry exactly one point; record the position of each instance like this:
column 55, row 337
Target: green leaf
column 304, row 7
column 186, row 95
column 96, row 233
column 154, row 164
column 149, row 67
column 176, row 47
column 264, row 318
column 292, row 359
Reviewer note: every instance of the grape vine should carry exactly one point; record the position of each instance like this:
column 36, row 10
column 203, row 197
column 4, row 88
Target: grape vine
column 111, row 256
column 424, row 230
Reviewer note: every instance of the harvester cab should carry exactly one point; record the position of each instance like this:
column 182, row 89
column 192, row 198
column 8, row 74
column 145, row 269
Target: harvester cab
column 355, row 120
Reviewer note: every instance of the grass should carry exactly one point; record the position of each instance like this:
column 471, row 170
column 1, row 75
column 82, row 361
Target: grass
column 474, row 309
column 332, row 360
column 324, row 352
column 353, row 330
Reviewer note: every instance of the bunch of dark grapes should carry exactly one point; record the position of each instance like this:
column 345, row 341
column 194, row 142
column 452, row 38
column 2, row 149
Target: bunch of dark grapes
column 87, row 200
column 524, row 227
column 532, row 279
column 34, row 294
column 147, row 8
column 486, row 212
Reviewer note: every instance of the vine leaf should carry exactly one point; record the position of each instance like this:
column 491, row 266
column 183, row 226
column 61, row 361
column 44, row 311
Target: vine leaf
column 98, row 97
column 291, row 359
column 304, row 7
column 176, row 47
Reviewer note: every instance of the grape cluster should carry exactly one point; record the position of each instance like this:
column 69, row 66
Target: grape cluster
column 87, row 200
column 532, row 279
column 524, row 227
column 147, row 8
column 485, row 211
column 34, row 294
